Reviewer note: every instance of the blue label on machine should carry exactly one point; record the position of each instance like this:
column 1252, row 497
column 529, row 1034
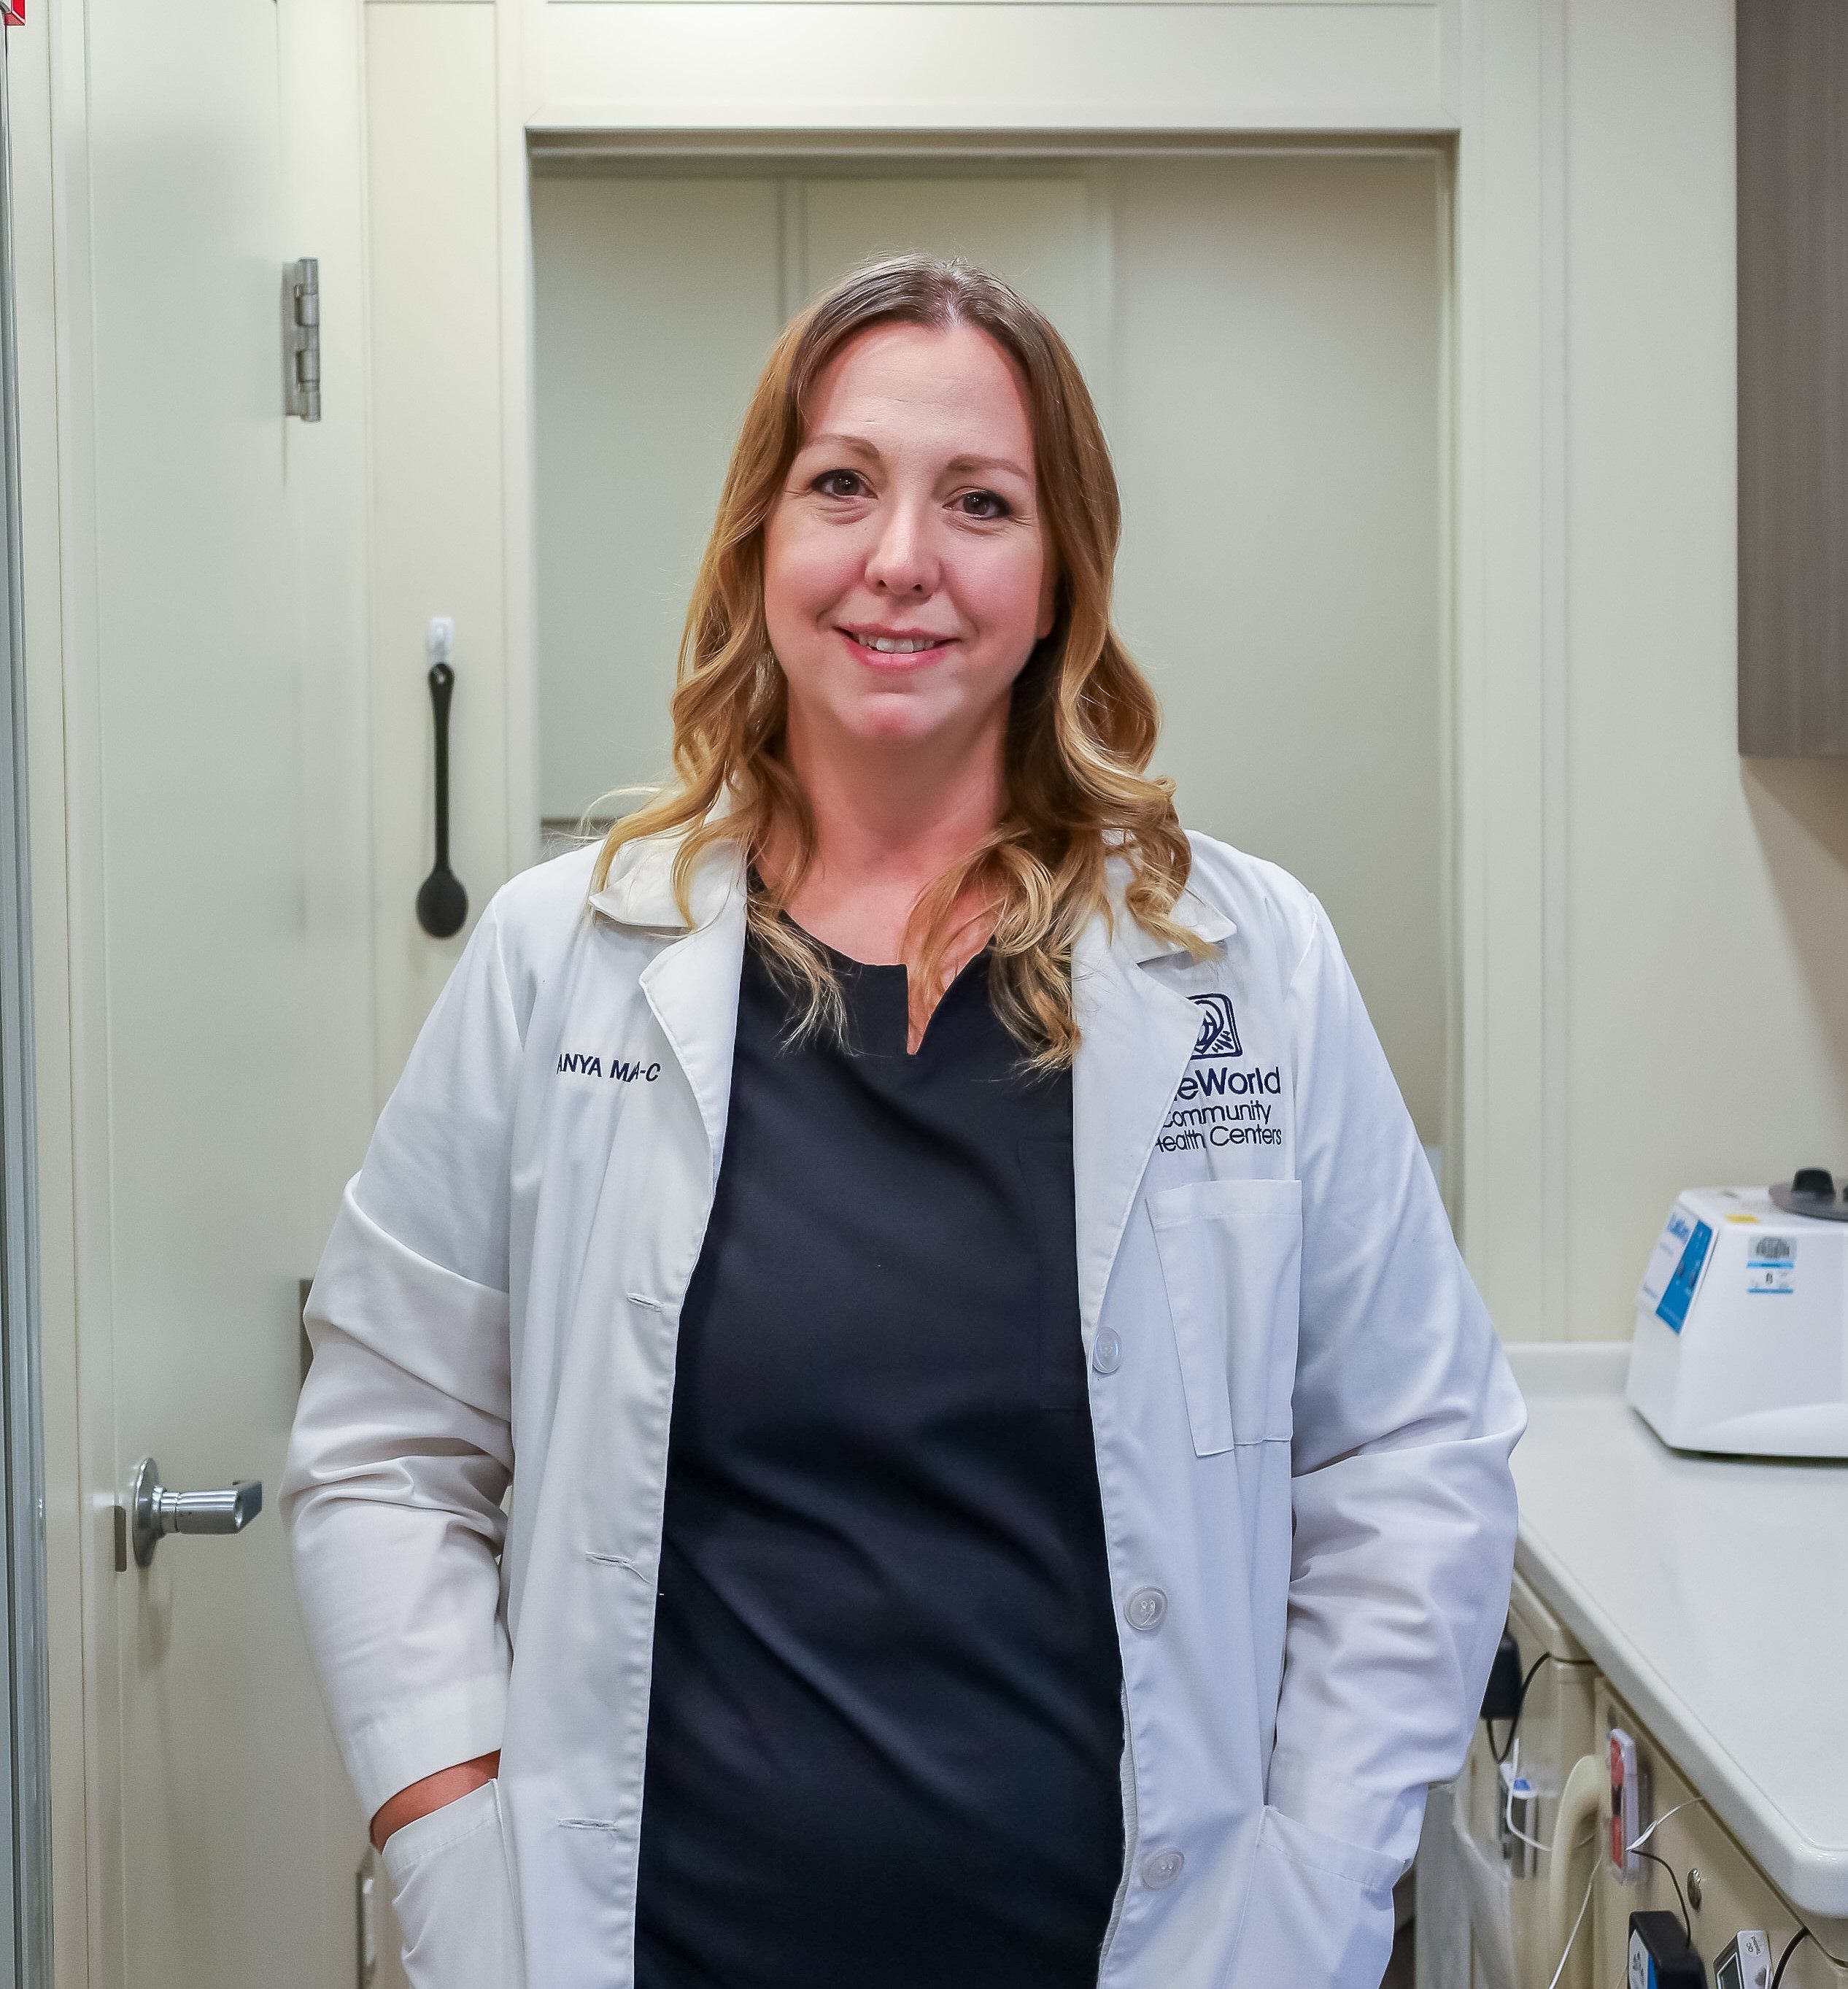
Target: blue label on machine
column 1672, row 1307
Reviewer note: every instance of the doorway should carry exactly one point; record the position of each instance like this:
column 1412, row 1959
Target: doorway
column 1263, row 335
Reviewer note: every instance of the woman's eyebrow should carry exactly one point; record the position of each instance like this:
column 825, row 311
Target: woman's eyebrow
column 989, row 463
column 859, row 445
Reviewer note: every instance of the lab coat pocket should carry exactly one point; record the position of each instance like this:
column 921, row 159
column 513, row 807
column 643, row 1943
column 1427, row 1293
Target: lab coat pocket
column 453, row 1892
column 1231, row 1256
column 1318, row 1912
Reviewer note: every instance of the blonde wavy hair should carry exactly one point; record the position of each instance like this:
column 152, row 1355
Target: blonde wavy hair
column 1081, row 724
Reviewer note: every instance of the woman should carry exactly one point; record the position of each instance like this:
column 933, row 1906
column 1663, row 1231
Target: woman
column 1010, row 1474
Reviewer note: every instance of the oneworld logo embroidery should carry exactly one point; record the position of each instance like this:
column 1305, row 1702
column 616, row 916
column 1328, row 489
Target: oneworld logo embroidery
column 1218, row 1027
column 1215, row 1105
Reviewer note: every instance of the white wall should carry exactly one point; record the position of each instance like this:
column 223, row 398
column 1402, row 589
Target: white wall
column 1274, row 409
column 446, row 491
column 1263, row 335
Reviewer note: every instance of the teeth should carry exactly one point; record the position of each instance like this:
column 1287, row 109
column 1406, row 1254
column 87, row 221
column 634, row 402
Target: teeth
column 899, row 645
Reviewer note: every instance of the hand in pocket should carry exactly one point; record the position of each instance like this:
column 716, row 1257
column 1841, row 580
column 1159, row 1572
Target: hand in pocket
column 454, row 1896
column 1318, row 1914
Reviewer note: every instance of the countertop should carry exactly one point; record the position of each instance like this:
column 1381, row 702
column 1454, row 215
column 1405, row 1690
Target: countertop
column 1713, row 1593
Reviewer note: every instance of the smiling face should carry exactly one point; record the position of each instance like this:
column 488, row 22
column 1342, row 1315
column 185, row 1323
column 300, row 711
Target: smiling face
column 906, row 576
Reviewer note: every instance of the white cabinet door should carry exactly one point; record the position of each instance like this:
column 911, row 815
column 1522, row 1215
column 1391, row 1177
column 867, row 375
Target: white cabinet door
column 220, row 1061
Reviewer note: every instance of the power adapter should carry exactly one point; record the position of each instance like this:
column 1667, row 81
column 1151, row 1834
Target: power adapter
column 1502, row 1698
column 1659, row 1956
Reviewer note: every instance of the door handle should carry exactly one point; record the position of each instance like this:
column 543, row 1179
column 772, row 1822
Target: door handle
column 154, row 1512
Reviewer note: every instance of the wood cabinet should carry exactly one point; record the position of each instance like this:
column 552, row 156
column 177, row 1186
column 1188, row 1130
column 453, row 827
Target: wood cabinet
column 1793, row 376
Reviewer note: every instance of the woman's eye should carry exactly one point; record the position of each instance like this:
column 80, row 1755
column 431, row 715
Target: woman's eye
column 996, row 506
column 829, row 477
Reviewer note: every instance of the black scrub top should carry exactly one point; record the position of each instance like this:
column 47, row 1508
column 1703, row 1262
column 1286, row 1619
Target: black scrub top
column 885, row 1728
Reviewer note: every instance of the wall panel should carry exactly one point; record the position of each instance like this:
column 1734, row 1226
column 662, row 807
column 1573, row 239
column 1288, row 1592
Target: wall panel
column 968, row 64
column 441, row 535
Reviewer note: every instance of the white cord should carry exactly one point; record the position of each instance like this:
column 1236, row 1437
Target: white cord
column 1692, row 1802
column 1509, row 1823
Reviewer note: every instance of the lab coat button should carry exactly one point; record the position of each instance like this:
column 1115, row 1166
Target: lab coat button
column 1144, row 1611
column 1106, row 1351
column 1163, row 1869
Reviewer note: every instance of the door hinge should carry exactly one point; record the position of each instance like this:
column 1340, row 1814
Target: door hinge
column 301, row 338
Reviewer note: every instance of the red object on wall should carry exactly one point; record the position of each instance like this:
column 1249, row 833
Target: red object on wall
column 13, row 13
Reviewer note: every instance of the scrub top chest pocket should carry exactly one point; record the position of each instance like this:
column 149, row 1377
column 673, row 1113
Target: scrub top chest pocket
column 1231, row 1256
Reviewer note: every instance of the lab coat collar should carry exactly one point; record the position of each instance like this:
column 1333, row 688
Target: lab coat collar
column 639, row 892
column 1191, row 910
column 1136, row 1032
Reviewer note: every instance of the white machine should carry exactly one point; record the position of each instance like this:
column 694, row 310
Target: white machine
column 1741, row 1335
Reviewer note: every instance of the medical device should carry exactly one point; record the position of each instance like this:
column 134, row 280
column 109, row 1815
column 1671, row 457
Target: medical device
column 1625, row 1814
column 1520, row 1815
column 1741, row 1325
column 1744, row 1961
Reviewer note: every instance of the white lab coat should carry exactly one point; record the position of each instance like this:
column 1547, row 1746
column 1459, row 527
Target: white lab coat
column 1301, row 1415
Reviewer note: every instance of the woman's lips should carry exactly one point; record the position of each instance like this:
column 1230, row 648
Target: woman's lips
column 894, row 660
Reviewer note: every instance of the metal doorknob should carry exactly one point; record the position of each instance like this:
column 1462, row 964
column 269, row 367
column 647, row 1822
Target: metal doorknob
column 154, row 1512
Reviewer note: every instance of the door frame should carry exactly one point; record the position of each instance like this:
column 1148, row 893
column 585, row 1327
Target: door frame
column 26, row 1814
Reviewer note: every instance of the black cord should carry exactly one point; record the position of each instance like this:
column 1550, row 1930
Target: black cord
column 1790, row 1948
column 1686, row 1924
column 1520, row 1701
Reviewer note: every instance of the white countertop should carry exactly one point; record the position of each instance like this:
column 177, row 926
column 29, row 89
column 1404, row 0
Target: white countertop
column 1713, row 1593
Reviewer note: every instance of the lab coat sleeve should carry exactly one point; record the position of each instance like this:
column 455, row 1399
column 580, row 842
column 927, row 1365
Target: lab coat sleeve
column 1405, row 1413
column 402, row 1449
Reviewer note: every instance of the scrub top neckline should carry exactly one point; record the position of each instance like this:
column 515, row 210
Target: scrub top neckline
column 877, row 994
column 888, row 985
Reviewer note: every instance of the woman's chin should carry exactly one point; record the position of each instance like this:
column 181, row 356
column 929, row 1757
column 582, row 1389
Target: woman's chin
column 901, row 741
column 907, row 715
column 893, row 722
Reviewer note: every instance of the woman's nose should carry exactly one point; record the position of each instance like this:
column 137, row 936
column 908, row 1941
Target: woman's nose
column 902, row 559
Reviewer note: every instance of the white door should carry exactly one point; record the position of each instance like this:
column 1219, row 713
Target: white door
column 218, row 974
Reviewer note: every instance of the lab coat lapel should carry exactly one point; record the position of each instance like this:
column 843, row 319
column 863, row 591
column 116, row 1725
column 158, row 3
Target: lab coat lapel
column 1136, row 1037
column 691, row 984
